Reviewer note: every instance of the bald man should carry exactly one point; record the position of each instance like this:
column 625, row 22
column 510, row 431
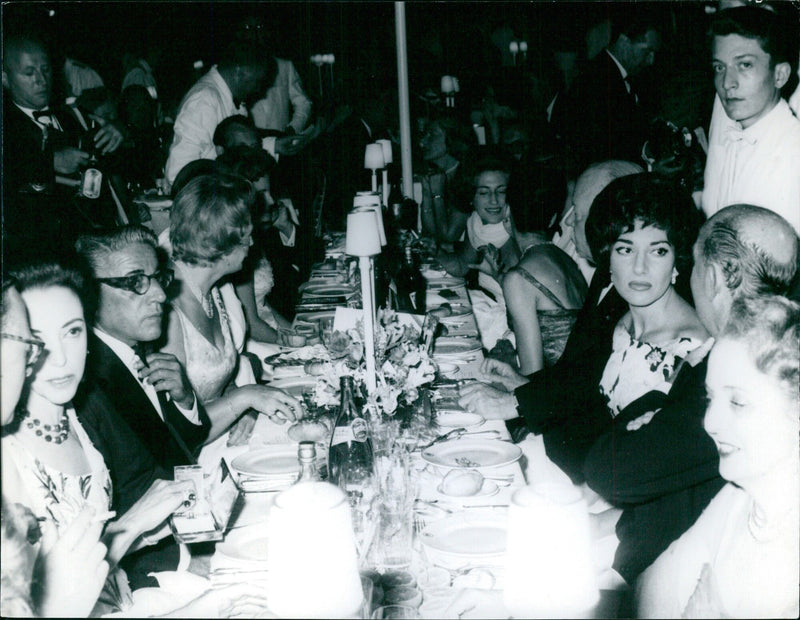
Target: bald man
column 657, row 462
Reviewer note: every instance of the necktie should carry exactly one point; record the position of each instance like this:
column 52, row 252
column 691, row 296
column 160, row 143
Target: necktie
column 141, row 349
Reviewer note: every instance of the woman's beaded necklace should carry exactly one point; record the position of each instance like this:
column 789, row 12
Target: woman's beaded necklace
column 52, row 433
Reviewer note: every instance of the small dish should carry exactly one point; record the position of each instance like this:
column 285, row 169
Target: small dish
column 448, row 369
column 488, row 489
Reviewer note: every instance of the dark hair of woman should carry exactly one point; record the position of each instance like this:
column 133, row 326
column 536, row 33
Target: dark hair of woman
column 652, row 200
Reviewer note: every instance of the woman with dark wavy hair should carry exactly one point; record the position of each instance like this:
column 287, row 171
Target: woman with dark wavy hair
column 642, row 228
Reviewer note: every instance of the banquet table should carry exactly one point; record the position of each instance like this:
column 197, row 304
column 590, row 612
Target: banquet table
column 463, row 586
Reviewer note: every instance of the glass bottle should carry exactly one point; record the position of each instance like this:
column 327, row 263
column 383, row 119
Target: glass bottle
column 410, row 286
column 307, row 455
column 350, row 453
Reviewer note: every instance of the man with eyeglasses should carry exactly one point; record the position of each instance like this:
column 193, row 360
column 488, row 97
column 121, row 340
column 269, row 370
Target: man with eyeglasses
column 139, row 408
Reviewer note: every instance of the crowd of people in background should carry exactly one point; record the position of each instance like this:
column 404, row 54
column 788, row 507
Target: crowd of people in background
column 643, row 271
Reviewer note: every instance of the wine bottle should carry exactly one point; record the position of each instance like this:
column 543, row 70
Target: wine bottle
column 307, row 455
column 350, row 462
column 410, row 286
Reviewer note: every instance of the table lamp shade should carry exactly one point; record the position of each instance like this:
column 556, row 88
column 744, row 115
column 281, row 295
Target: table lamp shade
column 312, row 562
column 378, row 211
column 550, row 569
column 386, row 145
column 447, row 84
column 363, row 237
column 373, row 157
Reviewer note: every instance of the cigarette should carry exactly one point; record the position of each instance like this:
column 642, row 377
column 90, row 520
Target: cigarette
column 104, row 516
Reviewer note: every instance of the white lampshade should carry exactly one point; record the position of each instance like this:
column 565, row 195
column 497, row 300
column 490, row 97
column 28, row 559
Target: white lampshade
column 447, row 84
column 377, row 210
column 513, row 47
column 329, row 59
column 367, row 199
column 550, row 569
column 373, row 157
column 311, row 557
column 523, row 46
column 386, row 145
column 363, row 237
column 456, row 85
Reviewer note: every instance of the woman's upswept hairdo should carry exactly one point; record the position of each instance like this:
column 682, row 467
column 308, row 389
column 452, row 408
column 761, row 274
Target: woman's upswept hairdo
column 48, row 274
column 652, row 200
column 770, row 327
column 209, row 218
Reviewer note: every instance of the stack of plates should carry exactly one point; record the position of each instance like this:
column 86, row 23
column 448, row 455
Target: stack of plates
column 457, row 348
column 272, row 468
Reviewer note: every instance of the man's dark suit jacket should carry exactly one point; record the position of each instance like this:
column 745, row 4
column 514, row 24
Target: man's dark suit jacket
column 51, row 220
column 662, row 474
column 563, row 402
column 135, row 443
column 599, row 119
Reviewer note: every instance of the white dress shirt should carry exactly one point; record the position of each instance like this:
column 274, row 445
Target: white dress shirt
column 759, row 165
column 127, row 356
column 205, row 106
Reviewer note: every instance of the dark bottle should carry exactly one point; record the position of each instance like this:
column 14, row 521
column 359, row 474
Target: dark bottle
column 307, row 455
column 350, row 454
column 410, row 286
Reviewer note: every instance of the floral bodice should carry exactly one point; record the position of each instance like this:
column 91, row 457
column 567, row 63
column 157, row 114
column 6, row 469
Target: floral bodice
column 635, row 367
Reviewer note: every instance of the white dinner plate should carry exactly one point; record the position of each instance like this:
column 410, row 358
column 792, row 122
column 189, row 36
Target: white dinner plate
column 328, row 290
column 472, row 453
column 278, row 461
column 243, row 545
column 455, row 346
column 459, row 419
column 468, row 535
column 294, row 385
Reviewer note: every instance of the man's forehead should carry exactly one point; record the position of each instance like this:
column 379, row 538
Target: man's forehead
column 133, row 258
column 737, row 45
column 25, row 53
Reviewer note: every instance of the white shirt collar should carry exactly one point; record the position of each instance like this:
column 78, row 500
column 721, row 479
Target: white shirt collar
column 619, row 65
column 29, row 113
column 124, row 352
column 222, row 85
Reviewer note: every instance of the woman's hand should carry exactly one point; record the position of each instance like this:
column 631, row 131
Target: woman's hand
column 240, row 600
column 276, row 404
column 71, row 570
column 149, row 512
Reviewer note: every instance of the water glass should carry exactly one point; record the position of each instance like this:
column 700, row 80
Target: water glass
column 395, row 611
column 392, row 548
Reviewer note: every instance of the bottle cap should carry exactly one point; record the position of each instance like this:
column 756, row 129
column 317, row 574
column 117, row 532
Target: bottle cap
column 307, row 449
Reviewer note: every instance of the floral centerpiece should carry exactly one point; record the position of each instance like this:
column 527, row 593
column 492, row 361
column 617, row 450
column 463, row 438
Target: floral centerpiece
column 402, row 365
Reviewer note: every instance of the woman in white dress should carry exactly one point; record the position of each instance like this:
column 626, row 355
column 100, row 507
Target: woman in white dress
column 741, row 558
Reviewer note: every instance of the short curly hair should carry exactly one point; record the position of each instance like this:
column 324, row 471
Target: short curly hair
column 652, row 200
column 770, row 327
column 210, row 217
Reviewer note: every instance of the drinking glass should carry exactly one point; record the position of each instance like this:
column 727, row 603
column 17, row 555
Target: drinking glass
column 395, row 611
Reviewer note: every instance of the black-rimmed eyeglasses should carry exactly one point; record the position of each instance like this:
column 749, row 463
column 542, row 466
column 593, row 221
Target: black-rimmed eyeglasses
column 35, row 347
column 140, row 283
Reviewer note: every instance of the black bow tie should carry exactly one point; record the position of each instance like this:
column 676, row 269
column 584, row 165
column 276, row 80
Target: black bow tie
column 43, row 116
